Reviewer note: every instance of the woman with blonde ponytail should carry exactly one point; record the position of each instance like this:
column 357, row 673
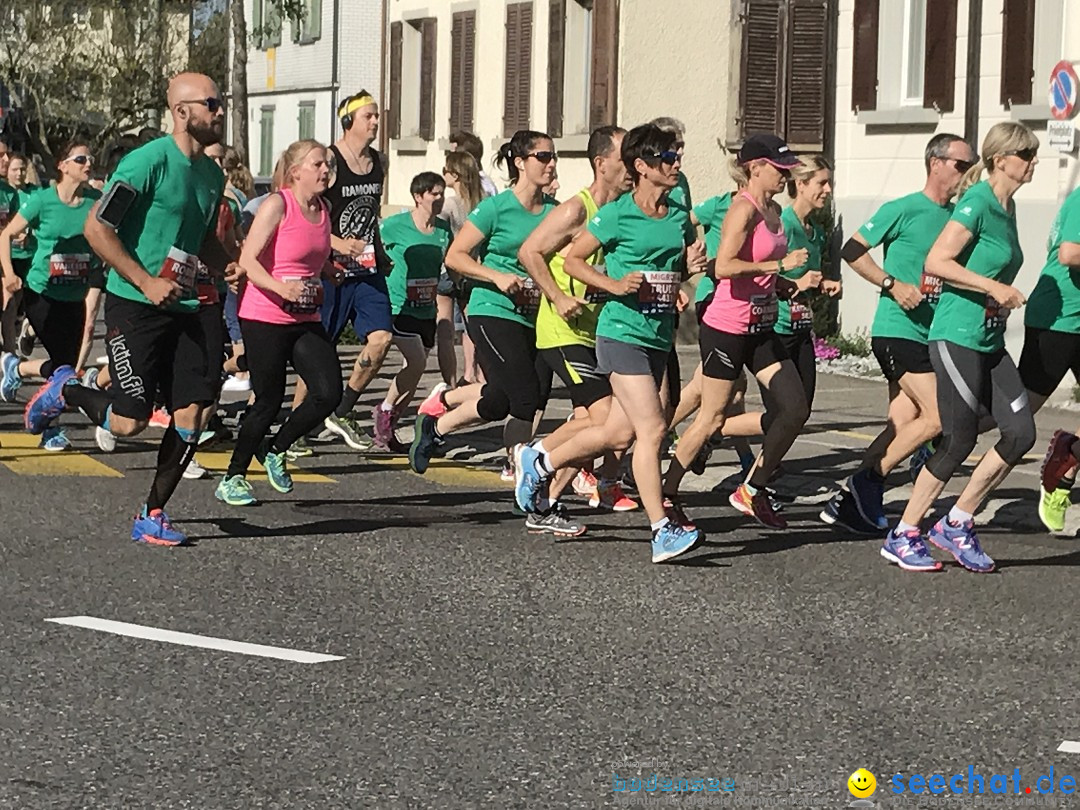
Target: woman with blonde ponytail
column 977, row 256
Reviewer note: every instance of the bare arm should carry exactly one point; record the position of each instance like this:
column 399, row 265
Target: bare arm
column 577, row 268
column 459, row 258
column 737, row 227
column 1069, row 254
column 550, row 237
column 17, row 225
column 941, row 261
column 107, row 245
column 908, row 296
column 262, row 231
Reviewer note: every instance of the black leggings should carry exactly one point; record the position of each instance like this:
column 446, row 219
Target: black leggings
column 270, row 347
column 507, row 354
column 59, row 327
column 800, row 350
column 9, row 327
column 970, row 383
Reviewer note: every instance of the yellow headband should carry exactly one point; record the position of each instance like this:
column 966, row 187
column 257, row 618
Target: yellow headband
column 356, row 104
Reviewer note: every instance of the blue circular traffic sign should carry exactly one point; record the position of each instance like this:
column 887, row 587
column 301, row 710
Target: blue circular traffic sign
column 1063, row 89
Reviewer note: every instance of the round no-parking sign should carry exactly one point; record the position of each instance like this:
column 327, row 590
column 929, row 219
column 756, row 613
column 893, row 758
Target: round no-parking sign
column 1063, row 87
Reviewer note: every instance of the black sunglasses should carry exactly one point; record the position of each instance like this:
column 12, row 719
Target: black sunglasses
column 543, row 157
column 961, row 165
column 82, row 160
column 212, row 104
column 1027, row 155
column 670, row 157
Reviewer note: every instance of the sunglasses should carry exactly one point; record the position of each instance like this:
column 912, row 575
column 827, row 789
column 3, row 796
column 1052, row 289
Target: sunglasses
column 212, row 104
column 543, row 157
column 961, row 165
column 669, row 157
column 82, row 160
column 1027, row 155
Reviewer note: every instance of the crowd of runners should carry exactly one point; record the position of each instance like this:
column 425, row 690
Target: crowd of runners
column 207, row 286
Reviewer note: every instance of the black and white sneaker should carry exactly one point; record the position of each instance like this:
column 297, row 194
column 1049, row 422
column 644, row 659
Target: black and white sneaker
column 554, row 521
column 842, row 512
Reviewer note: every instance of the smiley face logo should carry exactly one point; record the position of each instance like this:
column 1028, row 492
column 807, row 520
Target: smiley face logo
column 862, row 784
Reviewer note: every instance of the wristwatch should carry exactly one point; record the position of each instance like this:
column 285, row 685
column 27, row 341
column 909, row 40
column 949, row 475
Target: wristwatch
column 887, row 283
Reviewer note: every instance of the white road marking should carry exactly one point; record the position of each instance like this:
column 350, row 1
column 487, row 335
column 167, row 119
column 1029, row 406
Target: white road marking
column 1069, row 747
column 192, row 640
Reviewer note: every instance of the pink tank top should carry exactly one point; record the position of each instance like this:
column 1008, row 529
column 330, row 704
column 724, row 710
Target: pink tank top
column 746, row 305
column 297, row 251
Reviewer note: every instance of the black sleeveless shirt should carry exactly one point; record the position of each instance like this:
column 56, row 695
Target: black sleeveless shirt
column 355, row 200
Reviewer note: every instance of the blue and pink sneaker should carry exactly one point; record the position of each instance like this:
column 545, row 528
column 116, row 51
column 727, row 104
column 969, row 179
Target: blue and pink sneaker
column 48, row 402
column 962, row 542
column 908, row 550
column 154, row 528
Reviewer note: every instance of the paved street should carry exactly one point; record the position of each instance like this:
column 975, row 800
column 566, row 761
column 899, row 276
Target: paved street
column 481, row 666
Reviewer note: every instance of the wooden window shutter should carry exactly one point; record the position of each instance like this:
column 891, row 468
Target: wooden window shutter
column 257, row 24
column 393, row 115
column 462, row 73
column 603, row 94
column 864, row 69
column 762, row 76
column 939, row 74
column 1017, row 52
column 556, row 67
column 428, row 32
column 805, row 72
column 518, row 67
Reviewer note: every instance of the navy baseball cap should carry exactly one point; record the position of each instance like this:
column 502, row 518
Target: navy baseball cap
column 771, row 148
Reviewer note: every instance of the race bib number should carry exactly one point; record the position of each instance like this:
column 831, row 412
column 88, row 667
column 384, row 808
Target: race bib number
column 420, row 292
column 930, row 287
column 802, row 317
column 527, row 298
column 69, row 268
column 310, row 298
column 205, row 288
column 763, row 312
column 994, row 316
column 594, row 295
column 658, row 292
column 181, row 267
column 354, row 266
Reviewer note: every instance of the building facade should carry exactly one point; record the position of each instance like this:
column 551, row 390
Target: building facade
column 298, row 73
column 908, row 69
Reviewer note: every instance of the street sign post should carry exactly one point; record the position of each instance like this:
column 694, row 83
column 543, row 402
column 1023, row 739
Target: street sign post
column 1061, row 135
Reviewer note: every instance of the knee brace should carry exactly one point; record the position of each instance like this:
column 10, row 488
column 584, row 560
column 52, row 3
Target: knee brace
column 493, row 405
column 948, row 457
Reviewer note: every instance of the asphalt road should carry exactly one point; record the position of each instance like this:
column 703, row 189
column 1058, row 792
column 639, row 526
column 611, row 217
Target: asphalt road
column 481, row 666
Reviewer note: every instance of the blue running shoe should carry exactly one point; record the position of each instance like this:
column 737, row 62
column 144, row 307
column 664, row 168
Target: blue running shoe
column 274, row 464
column 54, row 439
column 527, row 480
column 10, row 382
column 962, row 542
column 155, row 529
column 423, row 444
column 671, row 540
column 841, row 511
column 869, row 499
column 48, row 403
column 908, row 551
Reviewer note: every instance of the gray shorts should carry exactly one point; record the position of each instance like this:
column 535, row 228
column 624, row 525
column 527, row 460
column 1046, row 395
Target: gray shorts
column 617, row 357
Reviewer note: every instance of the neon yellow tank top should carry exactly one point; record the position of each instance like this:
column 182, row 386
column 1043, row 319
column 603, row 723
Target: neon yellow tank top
column 551, row 330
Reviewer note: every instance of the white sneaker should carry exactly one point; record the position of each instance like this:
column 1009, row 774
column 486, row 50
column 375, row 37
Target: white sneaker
column 234, row 383
column 106, row 441
column 195, row 471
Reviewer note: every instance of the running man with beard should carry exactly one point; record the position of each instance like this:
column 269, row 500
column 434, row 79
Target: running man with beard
column 153, row 224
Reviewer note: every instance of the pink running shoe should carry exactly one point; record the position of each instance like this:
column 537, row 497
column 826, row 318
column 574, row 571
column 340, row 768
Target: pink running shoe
column 433, row 404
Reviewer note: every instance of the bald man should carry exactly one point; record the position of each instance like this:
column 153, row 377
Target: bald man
column 155, row 226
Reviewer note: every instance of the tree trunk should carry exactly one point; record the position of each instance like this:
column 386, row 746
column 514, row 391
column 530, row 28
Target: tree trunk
column 239, row 79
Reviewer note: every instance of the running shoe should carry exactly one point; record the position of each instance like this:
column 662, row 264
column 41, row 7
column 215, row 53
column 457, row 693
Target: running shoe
column 841, row 511
column 195, row 471
column 216, row 431
column 701, row 460
column 277, row 472
column 1052, row 506
column 676, row 513
column 235, row 491
column 507, row 474
column 300, row 449
column 26, row 338
column 105, row 440
column 920, row 457
column 610, row 496
column 160, row 418
column 90, row 378
column 433, row 404
column 869, row 499
column 1059, row 460
column 48, row 403
column 671, row 540
column 54, row 439
column 909, row 551
column 627, row 481
column 347, row 429
column 385, row 439
column 236, row 384
column 962, row 542
column 554, row 521
column 154, row 528
column 585, row 485
column 10, row 382
column 756, row 506
column 423, row 443
column 527, row 481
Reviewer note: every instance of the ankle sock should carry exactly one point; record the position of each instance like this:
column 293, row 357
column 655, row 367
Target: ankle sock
column 958, row 516
column 660, row 524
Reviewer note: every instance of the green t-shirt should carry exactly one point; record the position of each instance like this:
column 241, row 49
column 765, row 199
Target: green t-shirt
column 9, row 203
column 551, row 330
column 711, row 215
column 974, row 319
column 1055, row 301
column 418, row 260
column 62, row 260
column 794, row 317
column 680, row 195
column 634, row 241
column 165, row 226
column 908, row 228
column 705, row 288
column 29, row 244
column 506, row 224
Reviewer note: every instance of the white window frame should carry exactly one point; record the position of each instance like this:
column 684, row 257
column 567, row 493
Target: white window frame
column 577, row 71
column 914, row 37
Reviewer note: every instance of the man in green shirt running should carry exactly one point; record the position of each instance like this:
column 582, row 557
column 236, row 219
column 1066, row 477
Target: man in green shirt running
column 154, row 223
column 906, row 229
